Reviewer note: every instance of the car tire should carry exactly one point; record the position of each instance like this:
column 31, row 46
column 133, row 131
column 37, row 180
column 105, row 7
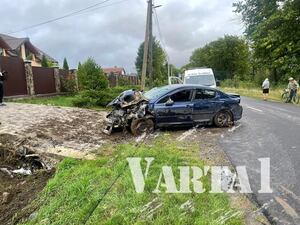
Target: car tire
column 141, row 126
column 223, row 119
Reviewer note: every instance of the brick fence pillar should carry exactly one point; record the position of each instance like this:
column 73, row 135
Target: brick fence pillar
column 73, row 74
column 57, row 79
column 29, row 78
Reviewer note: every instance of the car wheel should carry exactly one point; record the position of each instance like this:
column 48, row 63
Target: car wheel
column 223, row 119
column 141, row 126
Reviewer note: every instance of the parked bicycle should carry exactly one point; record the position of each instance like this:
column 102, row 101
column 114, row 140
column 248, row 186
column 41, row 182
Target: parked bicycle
column 286, row 95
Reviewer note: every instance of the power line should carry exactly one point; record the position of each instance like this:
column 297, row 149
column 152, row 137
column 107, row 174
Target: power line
column 77, row 12
column 163, row 44
column 160, row 33
column 94, row 9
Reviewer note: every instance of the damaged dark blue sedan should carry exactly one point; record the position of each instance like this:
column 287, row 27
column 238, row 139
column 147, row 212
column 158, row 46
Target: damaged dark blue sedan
column 173, row 105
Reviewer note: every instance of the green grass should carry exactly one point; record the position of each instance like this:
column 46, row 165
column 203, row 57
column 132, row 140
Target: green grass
column 78, row 184
column 54, row 101
column 64, row 101
column 275, row 94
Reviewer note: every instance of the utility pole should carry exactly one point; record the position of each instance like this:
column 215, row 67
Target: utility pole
column 147, row 45
column 150, row 65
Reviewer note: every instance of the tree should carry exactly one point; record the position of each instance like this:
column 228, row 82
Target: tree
column 276, row 41
column 254, row 12
column 228, row 56
column 275, row 36
column 66, row 65
column 174, row 70
column 45, row 62
column 91, row 76
column 160, row 76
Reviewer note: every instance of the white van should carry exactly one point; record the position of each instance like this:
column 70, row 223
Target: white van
column 201, row 76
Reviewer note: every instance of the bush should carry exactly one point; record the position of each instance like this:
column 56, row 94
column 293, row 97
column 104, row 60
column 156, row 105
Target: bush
column 68, row 85
column 234, row 83
column 92, row 98
column 91, row 76
column 96, row 98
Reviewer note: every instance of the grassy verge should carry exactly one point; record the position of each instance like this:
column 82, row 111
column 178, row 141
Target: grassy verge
column 79, row 184
column 275, row 94
column 64, row 101
column 55, row 100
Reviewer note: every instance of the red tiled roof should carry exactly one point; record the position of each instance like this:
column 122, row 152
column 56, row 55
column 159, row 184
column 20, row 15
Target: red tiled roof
column 113, row 70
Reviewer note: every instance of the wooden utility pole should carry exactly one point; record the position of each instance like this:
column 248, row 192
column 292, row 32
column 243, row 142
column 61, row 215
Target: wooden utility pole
column 147, row 45
column 150, row 60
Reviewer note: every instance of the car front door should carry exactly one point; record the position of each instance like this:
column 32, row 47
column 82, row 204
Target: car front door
column 175, row 109
column 205, row 105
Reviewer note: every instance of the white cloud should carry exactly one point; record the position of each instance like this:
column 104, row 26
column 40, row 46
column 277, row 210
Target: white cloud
column 113, row 34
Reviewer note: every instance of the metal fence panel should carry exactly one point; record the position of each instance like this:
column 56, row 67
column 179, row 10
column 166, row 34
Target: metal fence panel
column 16, row 80
column 44, row 82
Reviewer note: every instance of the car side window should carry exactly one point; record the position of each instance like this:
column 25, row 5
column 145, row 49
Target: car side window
column 164, row 100
column 181, row 96
column 205, row 94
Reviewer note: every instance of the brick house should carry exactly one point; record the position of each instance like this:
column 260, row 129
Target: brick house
column 22, row 48
column 115, row 70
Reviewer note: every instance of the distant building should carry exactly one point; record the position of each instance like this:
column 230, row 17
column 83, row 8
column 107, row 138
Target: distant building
column 22, row 48
column 133, row 75
column 115, row 70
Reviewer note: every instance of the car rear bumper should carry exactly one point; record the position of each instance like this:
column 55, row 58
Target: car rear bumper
column 237, row 112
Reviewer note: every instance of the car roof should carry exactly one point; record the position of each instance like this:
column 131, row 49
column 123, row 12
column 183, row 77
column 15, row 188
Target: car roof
column 178, row 86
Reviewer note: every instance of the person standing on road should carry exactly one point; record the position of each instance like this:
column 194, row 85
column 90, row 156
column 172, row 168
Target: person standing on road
column 2, row 79
column 293, row 87
column 266, row 88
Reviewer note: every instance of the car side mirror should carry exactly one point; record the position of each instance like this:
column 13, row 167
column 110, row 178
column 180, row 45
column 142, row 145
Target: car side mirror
column 170, row 102
column 218, row 83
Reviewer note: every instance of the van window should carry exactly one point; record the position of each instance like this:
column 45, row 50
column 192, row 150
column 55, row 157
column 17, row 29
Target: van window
column 205, row 94
column 206, row 80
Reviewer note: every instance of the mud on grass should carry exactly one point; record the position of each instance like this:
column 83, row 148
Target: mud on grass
column 20, row 190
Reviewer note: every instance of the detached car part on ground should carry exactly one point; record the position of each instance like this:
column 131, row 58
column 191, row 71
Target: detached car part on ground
column 173, row 105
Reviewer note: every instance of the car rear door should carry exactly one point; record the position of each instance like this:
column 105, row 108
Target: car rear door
column 177, row 113
column 205, row 105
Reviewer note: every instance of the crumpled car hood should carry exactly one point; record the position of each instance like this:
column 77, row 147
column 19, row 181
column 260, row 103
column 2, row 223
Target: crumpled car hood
column 128, row 98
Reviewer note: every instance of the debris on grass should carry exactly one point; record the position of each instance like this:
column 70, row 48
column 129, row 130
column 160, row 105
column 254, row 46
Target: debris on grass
column 22, row 171
column 188, row 207
column 234, row 128
column 151, row 208
column 141, row 138
column 22, row 178
column 186, row 134
column 227, row 216
column 6, row 171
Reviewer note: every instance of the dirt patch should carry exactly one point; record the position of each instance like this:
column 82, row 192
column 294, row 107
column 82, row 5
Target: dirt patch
column 57, row 130
column 17, row 189
column 33, row 139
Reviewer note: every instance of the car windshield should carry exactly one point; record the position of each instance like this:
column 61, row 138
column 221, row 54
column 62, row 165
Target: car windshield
column 206, row 80
column 157, row 92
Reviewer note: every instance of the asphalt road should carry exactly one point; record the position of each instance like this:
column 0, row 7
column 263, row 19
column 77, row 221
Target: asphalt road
column 270, row 130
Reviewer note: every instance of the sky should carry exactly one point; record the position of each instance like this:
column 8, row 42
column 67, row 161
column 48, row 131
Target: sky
column 112, row 32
